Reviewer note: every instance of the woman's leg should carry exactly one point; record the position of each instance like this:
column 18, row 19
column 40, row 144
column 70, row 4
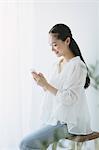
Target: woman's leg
column 44, row 136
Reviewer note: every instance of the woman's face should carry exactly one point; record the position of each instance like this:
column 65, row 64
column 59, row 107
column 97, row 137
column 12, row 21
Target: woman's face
column 58, row 46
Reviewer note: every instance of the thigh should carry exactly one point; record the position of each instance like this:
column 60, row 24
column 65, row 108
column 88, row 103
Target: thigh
column 45, row 136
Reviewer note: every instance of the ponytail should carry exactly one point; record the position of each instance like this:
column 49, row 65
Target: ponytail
column 76, row 51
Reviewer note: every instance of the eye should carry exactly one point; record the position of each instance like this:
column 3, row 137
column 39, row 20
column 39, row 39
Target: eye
column 55, row 45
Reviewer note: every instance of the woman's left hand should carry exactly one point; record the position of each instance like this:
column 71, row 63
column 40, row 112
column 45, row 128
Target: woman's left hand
column 40, row 79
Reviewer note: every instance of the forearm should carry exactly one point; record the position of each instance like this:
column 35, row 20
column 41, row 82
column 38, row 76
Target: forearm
column 51, row 89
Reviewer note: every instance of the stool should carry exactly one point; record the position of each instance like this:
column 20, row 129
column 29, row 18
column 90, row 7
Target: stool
column 82, row 138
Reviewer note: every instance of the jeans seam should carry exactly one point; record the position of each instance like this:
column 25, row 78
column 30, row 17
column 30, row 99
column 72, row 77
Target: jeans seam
column 29, row 147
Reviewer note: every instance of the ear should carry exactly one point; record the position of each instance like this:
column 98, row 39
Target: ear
column 67, row 41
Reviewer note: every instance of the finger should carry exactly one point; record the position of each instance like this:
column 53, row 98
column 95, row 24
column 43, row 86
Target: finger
column 34, row 73
column 34, row 79
column 37, row 80
column 41, row 74
column 34, row 76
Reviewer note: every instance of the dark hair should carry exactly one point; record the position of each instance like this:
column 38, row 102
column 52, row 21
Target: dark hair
column 62, row 31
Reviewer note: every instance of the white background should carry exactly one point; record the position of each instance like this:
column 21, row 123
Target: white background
column 24, row 27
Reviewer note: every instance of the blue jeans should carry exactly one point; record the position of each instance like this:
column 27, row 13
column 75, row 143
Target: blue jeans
column 44, row 137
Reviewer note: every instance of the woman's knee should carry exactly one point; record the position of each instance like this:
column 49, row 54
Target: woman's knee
column 28, row 145
column 32, row 144
column 24, row 145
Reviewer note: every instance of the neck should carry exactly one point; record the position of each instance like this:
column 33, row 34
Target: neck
column 68, row 56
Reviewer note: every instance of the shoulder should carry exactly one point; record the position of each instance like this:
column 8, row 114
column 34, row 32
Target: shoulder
column 77, row 65
column 76, row 61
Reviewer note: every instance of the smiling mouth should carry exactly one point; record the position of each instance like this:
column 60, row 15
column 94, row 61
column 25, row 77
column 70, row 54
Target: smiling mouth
column 57, row 52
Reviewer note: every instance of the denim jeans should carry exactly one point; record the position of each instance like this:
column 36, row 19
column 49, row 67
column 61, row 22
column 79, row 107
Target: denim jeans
column 44, row 137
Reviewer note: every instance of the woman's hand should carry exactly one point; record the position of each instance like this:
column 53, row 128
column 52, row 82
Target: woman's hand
column 40, row 79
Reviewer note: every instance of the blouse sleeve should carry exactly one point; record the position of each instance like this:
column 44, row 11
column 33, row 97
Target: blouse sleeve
column 69, row 94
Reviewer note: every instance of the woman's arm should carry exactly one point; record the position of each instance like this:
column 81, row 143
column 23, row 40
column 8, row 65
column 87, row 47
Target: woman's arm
column 50, row 88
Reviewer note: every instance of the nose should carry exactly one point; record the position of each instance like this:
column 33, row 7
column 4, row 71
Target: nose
column 53, row 49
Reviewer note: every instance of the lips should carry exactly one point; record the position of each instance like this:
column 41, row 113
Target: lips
column 57, row 52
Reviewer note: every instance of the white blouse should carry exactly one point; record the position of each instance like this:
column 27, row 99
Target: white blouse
column 69, row 105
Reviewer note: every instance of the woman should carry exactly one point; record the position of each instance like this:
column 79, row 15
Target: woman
column 65, row 107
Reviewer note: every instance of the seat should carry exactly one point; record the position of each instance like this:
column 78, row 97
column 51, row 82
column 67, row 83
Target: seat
column 79, row 140
column 83, row 138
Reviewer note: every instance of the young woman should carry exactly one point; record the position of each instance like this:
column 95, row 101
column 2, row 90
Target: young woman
column 65, row 107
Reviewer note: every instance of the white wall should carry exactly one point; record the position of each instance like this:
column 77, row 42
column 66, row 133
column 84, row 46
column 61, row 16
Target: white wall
column 24, row 27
